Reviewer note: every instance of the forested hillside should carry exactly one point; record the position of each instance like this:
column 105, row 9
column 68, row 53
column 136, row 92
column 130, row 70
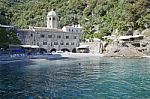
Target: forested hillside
column 107, row 15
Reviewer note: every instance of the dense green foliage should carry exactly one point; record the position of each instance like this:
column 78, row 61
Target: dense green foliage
column 108, row 16
column 8, row 37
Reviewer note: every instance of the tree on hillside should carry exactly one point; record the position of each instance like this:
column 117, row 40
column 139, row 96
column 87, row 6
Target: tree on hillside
column 110, row 15
column 8, row 37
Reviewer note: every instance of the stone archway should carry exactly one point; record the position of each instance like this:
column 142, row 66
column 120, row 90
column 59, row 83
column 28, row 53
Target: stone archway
column 53, row 50
column 74, row 50
column 65, row 50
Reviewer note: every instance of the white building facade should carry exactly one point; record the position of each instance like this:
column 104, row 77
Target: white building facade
column 73, row 29
column 51, row 38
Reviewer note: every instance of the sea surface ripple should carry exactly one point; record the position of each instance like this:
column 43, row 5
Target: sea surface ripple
column 83, row 78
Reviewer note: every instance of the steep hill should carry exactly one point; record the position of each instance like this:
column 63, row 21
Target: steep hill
column 107, row 15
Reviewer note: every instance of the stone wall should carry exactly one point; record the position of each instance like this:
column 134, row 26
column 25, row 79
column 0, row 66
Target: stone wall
column 94, row 47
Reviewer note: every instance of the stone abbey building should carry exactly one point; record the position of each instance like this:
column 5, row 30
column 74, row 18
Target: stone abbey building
column 51, row 38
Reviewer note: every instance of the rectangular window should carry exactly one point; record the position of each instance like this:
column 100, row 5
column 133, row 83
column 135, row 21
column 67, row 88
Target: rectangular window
column 75, row 37
column 42, row 35
column 61, row 43
column 44, row 43
column 49, row 36
column 38, row 43
column 59, row 36
column 67, row 43
column 51, row 44
column 55, row 43
column 67, row 37
column 72, row 43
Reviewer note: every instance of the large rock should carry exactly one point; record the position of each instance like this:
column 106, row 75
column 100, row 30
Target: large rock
column 146, row 32
column 124, row 52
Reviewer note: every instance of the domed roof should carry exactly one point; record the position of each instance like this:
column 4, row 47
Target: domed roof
column 52, row 13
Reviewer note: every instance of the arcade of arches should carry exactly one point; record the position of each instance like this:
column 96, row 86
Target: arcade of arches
column 64, row 50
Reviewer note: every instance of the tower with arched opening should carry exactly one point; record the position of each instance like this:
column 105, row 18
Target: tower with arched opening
column 52, row 20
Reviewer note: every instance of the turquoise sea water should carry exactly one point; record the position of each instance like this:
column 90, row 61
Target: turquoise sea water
column 88, row 78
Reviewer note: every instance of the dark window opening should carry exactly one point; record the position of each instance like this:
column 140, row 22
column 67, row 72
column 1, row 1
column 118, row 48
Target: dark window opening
column 49, row 36
column 61, row 43
column 67, row 43
column 58, row 36
column 74, row 37
column 55, row 43
column 67, row 37
column 72, row 43
column 42, row 35
column 51, row 44
column 44, row 43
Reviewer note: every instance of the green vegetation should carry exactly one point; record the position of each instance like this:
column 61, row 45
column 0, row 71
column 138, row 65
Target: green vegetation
column 108, row 15
column 8, row 37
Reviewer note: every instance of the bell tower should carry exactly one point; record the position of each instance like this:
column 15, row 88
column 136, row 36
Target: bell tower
column 52, row 20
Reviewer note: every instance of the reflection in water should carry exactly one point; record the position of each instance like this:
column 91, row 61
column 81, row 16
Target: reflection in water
column 90, row 78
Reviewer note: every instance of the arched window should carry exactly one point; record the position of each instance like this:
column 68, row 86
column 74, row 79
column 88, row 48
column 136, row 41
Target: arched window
column 74, row 50
column 65, row 50
column 53, row 50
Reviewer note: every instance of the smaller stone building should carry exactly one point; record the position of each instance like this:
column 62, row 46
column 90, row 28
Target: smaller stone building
column 73, row 29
